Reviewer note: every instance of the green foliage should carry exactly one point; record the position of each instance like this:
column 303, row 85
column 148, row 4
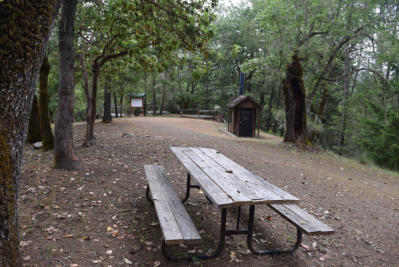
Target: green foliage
column 379, row 136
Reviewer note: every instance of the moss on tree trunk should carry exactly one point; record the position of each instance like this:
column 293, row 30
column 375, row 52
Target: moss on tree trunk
column 24, row 33
column 295, row 106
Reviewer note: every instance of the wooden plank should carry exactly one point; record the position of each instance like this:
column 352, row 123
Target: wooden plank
column 278, row 194
column 213, row 191
column 227, row 186
column 300, row 218
column 169, row 226
column 183, row 219
column 238, row 185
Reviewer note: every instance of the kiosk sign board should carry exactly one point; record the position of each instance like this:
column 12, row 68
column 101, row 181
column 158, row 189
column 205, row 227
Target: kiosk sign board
column 136, row 102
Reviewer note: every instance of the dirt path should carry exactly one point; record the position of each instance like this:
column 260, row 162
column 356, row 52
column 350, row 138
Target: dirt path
column 99, row 215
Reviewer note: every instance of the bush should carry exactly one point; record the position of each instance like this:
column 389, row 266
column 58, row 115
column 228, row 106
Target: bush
column 379, row 136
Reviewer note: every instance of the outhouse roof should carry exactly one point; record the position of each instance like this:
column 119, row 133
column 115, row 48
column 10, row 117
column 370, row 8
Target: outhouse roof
column 235, row 102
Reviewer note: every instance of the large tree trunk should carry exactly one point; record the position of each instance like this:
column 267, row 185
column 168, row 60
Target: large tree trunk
column 24, row 30
column 116, row 105
column 64, row 153
column 107, row 117
column 91, row 109
column 295, row 106
column 45, row 126
column 34, row 133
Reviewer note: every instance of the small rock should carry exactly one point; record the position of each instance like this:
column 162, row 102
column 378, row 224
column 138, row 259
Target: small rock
column 37, row 145
column 127, row 261
column 148, row 243
column 109, row 252
column 125, row 135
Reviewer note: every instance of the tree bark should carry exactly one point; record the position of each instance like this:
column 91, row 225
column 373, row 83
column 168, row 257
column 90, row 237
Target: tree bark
column 269, row 110
column 91, row 109
column 163, row 99
column 121, row 105
column 346, row 84
column 115, row 105
column 154, row 96
column 295, row 103
column 64, row 152
column 107, row 117
column 45, row 126
column 34, row 133
column 24, row 30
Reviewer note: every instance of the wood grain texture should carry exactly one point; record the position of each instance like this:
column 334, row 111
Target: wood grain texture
column 213, row 191
column 301, row 219
column 221, row 177
column 176, row 225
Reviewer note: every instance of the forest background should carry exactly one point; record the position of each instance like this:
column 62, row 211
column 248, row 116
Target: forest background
column 349, row 52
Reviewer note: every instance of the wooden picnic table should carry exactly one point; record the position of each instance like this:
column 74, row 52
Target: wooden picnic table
column 226, row 184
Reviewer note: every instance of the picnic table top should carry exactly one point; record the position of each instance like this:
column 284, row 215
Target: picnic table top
column 225, row 182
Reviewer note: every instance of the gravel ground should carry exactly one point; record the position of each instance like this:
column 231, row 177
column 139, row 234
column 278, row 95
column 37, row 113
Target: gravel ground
column 99, row 216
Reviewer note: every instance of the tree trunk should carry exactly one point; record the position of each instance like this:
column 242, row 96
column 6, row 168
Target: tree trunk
column 107, row 117
column 24, row 30
column 115, row 105
column 154, row 96
column 206, row 91
column 64, row 154
column 295, row 103
column 121, row 105
column 163, row 99
column 346, row 84
column 34, row 133
column 45, row 126
column 145, row 96
column 91, row 110
column 269, row 110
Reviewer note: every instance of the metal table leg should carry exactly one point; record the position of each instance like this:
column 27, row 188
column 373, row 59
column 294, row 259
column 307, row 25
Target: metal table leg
column 147, row 194
column 274, row 251
column 189, row 186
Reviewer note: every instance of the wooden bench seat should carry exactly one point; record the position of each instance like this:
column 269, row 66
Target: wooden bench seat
column 176, row 224
column 307, row 223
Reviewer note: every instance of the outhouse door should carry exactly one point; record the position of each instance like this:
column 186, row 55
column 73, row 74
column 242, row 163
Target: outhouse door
column 246, row 122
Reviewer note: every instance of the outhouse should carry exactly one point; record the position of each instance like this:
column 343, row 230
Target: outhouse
column 243, row 112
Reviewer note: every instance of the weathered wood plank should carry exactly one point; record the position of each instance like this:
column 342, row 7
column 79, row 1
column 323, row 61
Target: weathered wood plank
column 186, row 226
column 300, row 218
column 213, row 191
column 169, row 226
column 219, row 173
column 271, row 191
column 227, row 186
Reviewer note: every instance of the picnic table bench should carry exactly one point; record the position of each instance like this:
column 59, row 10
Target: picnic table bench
column 225, row 184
